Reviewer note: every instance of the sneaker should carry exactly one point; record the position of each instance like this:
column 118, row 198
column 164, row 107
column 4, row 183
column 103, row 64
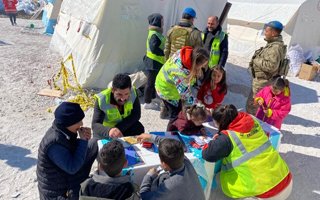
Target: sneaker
column 151, row 106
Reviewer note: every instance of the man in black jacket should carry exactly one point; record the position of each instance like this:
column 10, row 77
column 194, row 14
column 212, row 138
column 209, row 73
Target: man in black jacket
column 64, row 160
column 117, row 110
column 216, row 41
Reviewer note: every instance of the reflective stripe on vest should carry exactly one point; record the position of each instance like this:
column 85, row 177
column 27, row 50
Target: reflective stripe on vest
column 151, row 55
column 112, row 114
column 165, row 83
column 253, row 167
column 215, row 49
column 246, row 155
column 174, row 60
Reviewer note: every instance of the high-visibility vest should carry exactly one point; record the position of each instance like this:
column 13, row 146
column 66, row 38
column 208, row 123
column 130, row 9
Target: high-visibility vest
column 215, row 48
column 151, row 55
column 253, row 167
column 165, row 79
column 112, row 114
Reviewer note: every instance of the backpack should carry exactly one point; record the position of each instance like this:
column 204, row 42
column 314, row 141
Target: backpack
column 284, row 63
column 179, row 38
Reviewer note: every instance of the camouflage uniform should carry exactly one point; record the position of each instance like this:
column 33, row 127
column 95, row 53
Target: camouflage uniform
column 263, row 66
column 183, row 34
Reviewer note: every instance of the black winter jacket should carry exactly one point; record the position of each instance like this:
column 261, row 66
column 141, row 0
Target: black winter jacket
column 53, row 182
column 103, row 186
column 154, row 44
column 208, row 39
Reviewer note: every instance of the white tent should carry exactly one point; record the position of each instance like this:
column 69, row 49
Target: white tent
column 50, row 14
column 106, row 37
column 246, row 19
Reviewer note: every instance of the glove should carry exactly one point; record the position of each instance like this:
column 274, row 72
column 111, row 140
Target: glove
column 259, row 100
column 268, row 113
column 286, row 91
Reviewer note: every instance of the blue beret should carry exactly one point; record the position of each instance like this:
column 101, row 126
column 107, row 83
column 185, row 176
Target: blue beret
column 190, row 11
column 275, row 24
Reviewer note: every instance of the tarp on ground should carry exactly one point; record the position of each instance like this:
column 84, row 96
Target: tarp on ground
column 30, row 7
column 246, row 19
column 106, row 37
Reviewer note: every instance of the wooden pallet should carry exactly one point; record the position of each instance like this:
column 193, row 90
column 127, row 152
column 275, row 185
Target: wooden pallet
column 50, row 92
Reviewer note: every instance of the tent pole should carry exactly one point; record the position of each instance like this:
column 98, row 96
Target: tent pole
column 224, row 13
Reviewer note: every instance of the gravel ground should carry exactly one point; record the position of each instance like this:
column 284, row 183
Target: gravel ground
column 26, row 64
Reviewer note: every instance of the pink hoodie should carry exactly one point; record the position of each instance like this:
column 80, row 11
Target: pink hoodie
column 280, row 106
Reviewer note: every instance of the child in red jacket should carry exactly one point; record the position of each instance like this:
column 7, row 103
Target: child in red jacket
column 11, row 10
column 189, row 121
column 212, row 91
column 274, row 102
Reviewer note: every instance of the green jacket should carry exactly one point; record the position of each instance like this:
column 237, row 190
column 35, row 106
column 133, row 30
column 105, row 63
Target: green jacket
column 266, row 60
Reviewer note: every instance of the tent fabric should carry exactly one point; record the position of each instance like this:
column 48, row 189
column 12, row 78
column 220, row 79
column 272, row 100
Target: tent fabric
column 246, row 19
column 50, row 14
column 107, row 37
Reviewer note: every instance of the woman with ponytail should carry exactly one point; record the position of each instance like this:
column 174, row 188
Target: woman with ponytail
column 177, row 78
column 251, row 167
column 274, row 102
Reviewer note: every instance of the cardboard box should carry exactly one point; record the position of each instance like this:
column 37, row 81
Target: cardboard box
column 308, row 72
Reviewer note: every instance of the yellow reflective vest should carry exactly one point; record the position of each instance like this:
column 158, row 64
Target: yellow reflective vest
column 151, row 55
column 172, row 73
column 215, row 49
column 253, row 167
column 112, row 114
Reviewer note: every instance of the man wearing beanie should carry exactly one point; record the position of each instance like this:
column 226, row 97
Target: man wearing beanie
column 154, row 58
column 64, row 161
column 117, row 110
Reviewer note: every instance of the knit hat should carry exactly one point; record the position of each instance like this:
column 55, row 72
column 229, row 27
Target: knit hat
column 190, row 11
column 155, row 19
column 68, row 114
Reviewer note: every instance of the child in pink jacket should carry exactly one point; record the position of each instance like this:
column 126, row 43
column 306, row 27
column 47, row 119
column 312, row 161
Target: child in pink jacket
column 274, row 102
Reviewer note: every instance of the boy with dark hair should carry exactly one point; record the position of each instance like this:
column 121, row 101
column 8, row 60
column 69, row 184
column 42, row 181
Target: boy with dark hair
column 117, row 110
column 107, row 181
column 179, row 181
column 171, row 152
